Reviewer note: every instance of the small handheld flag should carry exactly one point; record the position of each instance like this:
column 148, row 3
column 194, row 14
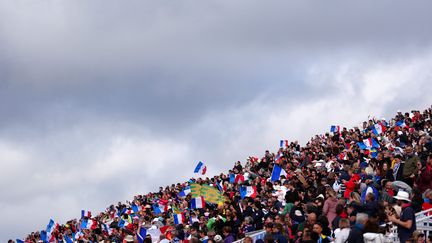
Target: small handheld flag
column 277, row 172
column 85, row 213
column 200, row 168
column 378, row 128
column 179, row 218
column 335, row 129
column 197, row 202
column 248, row 191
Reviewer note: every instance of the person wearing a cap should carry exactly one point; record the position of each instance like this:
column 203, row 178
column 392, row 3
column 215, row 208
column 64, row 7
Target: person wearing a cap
column 406, row 224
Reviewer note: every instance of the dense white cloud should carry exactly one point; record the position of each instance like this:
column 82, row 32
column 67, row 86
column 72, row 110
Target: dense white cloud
column 101, row 100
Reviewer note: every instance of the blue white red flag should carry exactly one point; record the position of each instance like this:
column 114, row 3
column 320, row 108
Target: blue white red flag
column 49, row 231
column 158, row 209
column 248, row 191
column 401, row 123
column 197, row 202
column 335, row 129
column 368, row 144
column 185, row 192
column 88, row 224
column 283, row 143
column 85, row 213
column 135, row 208
column 378, row 128
column 200, row 168
column 179, row 218
column 277, row 172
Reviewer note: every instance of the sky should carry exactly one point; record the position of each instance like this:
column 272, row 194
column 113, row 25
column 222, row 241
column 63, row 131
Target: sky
column 103, row 100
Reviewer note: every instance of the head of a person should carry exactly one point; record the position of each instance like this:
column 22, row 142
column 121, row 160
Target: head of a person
column 268, row 227
column 408, row 150
column 211, row 234
column 311, row 218
column 362, row 218
column 277, row 228
column 226, row 231
column 317, row 228
column 248, row 239
column 370, row 197
column 344, row 223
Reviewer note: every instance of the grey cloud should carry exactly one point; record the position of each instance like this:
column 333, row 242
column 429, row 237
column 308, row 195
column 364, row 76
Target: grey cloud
column 98, row 99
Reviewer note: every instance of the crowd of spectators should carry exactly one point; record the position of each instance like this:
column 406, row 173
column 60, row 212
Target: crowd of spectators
column 332, row 191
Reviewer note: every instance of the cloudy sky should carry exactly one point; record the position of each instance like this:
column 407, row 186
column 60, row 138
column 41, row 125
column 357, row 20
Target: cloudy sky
column 102, row 100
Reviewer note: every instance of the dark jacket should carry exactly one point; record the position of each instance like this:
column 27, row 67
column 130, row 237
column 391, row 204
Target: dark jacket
column 410, row 166
column 424, row 181
column 356, row 234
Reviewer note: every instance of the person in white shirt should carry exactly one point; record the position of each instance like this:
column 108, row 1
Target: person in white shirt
column 341, row 233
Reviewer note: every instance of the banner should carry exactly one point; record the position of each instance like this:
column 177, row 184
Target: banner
column 195, row 190
column 210, row 194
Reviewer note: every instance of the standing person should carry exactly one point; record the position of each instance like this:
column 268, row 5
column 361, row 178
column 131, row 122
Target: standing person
column 318, row 229
column 424, row 180
column 228, row 236
column 356, row 233
column 278, row 234
column 410, row 169
column 406, row 224
column 342, row 233
column 329, row 209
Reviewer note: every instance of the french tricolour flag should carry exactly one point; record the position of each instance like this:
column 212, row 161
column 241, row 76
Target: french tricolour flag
column 185, row 192
column 368, row 144
column 123, row 223
column 277, row 172
column 179, row 218
column 200, row 168
column 50, row 229
column 378, row 128
column 401, row 123
column 158, row 208
column 197, row 202
column 88, row 224
column 248, row 191
column 136, row 208
column 85, row 213
column 335, row 128
column 283, row 143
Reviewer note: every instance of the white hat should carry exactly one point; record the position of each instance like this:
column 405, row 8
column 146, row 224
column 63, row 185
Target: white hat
column 402, row 195
column 129, row 238
column 218, row 238
column 298, row 213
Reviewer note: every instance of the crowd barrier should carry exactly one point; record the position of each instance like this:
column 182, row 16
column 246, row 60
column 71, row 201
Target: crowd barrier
column 255, row 235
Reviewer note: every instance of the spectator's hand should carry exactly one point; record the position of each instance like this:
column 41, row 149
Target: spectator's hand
column 391, row 217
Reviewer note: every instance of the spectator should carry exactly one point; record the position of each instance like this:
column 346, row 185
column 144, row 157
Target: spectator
column 342, row 233
column 356, row 233
column 406, row 224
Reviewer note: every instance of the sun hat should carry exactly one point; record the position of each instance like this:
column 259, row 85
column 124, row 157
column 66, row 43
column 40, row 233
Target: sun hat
column 402, row 195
